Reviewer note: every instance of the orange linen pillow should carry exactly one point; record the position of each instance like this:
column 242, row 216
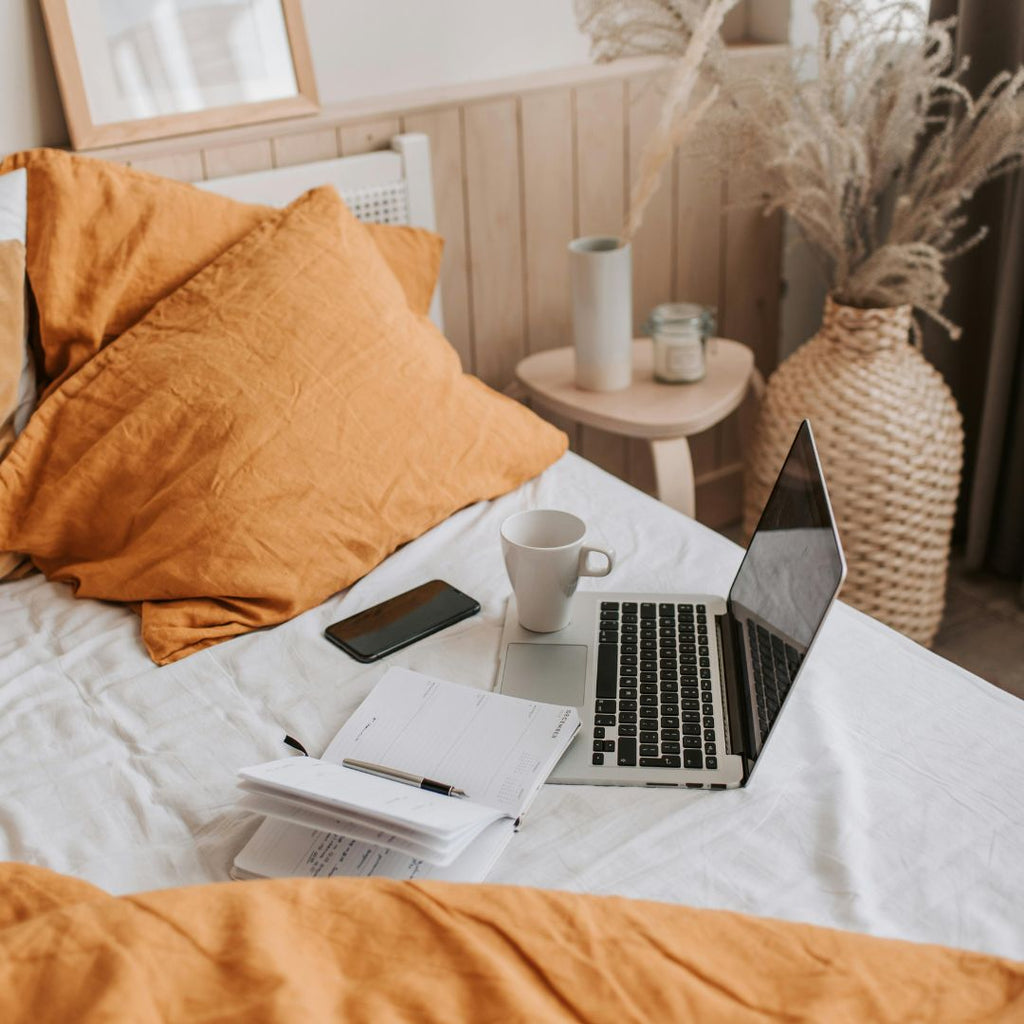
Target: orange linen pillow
column 264, row 437
column 106, row 243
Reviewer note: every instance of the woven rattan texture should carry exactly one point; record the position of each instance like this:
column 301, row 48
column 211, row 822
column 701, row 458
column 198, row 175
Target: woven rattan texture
column 890, row 439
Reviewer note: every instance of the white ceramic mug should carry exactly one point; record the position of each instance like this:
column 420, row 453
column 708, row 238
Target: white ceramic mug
column 545, row 558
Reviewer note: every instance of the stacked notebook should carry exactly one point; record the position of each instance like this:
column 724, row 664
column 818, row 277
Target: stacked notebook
column 326, row 819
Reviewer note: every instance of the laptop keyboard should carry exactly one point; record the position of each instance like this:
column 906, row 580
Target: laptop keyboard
column 775, row 665
column 654, row 706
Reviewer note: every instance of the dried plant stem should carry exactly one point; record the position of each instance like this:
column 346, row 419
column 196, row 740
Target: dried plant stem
column 677, row 117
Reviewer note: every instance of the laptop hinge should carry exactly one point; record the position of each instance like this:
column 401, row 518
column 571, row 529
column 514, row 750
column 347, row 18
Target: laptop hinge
column 735, row 691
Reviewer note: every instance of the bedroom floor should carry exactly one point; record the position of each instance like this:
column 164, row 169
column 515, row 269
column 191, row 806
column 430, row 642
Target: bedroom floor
column 983, row 627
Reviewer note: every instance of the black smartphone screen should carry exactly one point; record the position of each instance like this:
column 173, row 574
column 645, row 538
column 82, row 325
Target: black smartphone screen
column 402, row 620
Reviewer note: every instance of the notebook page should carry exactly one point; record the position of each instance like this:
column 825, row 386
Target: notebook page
column 299, row 813
column 496, row 748
column 369, row 797
column 282, row 850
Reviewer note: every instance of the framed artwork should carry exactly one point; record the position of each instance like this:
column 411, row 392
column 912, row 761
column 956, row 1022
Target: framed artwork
column 144, row 69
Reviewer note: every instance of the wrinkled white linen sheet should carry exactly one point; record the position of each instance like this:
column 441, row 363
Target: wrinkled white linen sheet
column 891, row 800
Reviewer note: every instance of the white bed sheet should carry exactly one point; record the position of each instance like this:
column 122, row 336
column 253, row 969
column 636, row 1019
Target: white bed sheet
column 891, row 800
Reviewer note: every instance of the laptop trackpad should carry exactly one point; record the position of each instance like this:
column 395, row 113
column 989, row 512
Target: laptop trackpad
column 552, row 673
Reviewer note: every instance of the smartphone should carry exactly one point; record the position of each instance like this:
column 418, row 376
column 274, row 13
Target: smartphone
column 393, row 624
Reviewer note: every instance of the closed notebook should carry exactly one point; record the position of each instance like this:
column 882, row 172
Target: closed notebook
column 324, row 818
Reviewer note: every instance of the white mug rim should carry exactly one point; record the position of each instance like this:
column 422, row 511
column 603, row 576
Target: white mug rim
column 546, row 547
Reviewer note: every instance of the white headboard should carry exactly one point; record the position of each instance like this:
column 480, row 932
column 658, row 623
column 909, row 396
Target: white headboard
column 393, row 186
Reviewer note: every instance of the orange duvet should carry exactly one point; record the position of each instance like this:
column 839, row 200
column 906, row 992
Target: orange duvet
column 374, row 950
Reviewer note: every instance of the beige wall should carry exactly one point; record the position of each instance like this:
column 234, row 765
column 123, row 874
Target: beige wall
column 360, row 49
column 30, row 111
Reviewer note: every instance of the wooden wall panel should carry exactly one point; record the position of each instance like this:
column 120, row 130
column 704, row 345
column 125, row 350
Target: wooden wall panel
column 241, row 158
column 653, row 243
column 600, row 143
column 180, row 166
column 600, row 158
column 367, row 136
column 444, row 127
column 306, row 147
column 495, row 238
column 549, row 216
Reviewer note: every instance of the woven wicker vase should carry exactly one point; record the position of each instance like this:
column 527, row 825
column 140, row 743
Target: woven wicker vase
column 890, row 439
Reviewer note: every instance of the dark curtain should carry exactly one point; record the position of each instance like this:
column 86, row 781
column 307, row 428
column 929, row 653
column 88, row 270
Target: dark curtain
column 985, row 368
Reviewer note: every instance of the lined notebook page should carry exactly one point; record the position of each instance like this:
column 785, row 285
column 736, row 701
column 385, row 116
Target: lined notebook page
column 498, row 749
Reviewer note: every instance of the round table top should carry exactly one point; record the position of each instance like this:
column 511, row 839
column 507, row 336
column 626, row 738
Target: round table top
column 647, row 408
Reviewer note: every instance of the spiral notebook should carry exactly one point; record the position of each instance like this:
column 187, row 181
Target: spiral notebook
column 325, row 819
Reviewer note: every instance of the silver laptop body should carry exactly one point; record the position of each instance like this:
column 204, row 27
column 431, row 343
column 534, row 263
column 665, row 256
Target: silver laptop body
column 685, row 689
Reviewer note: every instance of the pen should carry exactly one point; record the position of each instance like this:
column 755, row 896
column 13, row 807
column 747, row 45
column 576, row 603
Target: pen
column 410, row 780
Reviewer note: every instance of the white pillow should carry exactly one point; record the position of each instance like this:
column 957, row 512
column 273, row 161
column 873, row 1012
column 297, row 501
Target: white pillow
column 13, row 221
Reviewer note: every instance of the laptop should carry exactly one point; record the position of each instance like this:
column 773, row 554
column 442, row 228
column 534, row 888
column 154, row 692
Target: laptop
column 686, row 689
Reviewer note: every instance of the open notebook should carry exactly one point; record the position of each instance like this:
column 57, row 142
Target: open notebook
column 325, row 819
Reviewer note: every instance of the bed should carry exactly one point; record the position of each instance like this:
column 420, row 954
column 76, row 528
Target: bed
column 890, row 804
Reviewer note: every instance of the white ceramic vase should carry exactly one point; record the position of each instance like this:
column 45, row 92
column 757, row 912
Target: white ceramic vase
column 601, row 273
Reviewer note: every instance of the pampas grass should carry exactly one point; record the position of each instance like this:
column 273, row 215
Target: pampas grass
column 875, row 152
column 687, row 30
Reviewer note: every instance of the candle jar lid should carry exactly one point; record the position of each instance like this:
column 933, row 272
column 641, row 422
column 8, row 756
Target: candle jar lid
column 670, row 317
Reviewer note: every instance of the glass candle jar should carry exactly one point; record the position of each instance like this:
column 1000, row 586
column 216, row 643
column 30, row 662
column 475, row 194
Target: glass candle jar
column 680, row 331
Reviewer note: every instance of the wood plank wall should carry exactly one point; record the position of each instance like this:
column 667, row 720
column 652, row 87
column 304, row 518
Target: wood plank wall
column 519, row 173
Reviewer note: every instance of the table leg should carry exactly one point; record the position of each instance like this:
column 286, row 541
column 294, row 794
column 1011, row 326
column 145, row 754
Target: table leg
column 673, row 473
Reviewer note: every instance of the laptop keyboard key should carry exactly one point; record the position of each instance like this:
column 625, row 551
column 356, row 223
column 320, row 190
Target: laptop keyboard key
column 648, row 749
column 691, row 717
column 627, row 751
column 607, row 669
column 648, row 737
column 597, row 759
column 669, row 748
column 691, row 730
column 604, row 719
column 626, row 730
column 605, row 707
column 598, row 732
column 712, row 762
column 692, row 759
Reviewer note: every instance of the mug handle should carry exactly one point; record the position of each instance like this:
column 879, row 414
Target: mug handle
column 585, row 554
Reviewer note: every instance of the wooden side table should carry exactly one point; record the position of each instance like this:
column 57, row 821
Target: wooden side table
column 664, row 415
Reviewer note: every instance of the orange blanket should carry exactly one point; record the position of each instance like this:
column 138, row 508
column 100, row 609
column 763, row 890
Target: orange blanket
column 359, row 950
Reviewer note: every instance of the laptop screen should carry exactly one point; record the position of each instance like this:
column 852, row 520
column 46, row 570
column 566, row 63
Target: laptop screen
column 788, row 579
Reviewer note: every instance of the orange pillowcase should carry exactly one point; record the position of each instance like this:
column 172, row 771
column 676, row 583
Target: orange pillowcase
column 264, row 437
column 106, row 243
